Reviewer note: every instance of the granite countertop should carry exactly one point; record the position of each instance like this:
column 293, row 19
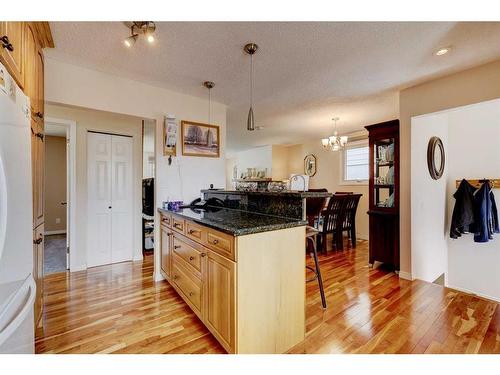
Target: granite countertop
column 290, row 193
column 236, row 222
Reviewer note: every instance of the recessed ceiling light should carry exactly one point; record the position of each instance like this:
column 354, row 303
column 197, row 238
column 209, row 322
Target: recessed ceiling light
column 442, row 51
column 151, row 38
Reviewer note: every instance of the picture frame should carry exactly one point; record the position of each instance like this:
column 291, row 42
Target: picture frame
column 310, row 165
column 199, row 139
column 170, row 130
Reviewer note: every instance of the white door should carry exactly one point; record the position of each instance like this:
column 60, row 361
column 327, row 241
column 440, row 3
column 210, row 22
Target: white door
column 99, row 199
column 110, row 206
column 121, row 199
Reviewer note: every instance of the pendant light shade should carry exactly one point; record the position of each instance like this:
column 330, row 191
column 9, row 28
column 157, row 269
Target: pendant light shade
column 250, row 49
column 250, row 120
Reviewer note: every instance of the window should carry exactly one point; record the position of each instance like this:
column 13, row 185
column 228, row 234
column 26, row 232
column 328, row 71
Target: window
column 356, row 163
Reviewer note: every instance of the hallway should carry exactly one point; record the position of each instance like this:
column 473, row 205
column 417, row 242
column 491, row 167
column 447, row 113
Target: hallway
column 55, row 254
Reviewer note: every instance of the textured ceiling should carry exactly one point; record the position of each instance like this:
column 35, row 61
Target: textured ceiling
column 305, row 72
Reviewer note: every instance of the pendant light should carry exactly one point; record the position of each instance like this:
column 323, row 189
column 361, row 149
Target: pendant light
column 334, row 142
column 250, row 49
column 209, row 85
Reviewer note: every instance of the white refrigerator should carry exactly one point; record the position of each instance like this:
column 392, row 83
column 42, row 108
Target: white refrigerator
column 17, row 287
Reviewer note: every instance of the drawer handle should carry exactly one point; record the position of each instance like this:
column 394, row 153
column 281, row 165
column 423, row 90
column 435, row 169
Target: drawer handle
column 175, row 277
column 191, row 257
column 39, row 115
column 177, row 246
column 191, row 231
column 169, row 234
column 164, row 219
column 215, row 242
column 203, row 255
column 191, row 294
column 177, row 225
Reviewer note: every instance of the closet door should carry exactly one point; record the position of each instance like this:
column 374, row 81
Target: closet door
column 121, row 199
column 99, row 199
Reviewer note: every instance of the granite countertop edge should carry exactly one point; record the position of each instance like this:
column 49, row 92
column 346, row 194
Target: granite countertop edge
column 243, row 231
column 292, row 193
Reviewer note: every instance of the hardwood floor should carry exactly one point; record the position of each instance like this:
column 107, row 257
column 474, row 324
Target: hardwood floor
column 119, row 309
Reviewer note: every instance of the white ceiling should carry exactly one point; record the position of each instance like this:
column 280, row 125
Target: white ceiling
column 305, row 72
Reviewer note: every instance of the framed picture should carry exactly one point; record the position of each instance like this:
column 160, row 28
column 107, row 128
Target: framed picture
column 310, row 165
column 169, row 136
column 200, row 139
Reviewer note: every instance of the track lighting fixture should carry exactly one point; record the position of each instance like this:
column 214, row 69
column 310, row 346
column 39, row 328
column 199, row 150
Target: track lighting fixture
column 137, row 28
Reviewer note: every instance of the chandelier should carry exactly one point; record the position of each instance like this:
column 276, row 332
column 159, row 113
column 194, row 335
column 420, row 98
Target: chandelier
column 334, row 142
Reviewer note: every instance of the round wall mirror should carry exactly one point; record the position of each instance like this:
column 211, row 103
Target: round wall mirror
column 310, row 165
column 435, row 158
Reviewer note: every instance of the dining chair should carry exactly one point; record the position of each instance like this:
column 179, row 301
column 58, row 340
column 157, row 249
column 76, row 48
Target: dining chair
column 349, row 217
column 314, row 206
column 332, row 221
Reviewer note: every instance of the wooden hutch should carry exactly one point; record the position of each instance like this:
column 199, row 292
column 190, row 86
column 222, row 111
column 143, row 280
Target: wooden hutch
column 384, row 193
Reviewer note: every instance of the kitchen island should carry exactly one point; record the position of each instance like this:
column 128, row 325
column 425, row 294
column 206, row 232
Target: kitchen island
column 241, row 272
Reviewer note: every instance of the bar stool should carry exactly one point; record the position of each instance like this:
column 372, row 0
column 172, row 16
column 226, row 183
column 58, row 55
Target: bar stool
column 311, row 241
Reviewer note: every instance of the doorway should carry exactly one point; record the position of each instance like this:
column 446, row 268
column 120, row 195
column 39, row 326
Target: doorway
column 148, row 185
column 59, row 177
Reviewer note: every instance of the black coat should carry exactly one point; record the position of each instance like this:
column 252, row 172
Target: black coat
column 485, row 214
column 463, row 213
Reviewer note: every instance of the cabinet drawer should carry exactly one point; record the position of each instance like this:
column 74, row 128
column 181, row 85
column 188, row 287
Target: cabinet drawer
column 178, row 224
column 196, row 232
column 188, row 283
column 166, row 220
column 191, row 253
column 221, row 243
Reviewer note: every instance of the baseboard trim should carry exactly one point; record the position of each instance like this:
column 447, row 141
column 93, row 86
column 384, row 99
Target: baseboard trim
column 463, row 290
column 405, row 275
column 158, row 277
column 52, row 232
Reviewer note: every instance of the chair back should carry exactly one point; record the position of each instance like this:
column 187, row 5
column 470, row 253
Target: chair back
column 314, row 206
column 350, row 209
column 333, row 215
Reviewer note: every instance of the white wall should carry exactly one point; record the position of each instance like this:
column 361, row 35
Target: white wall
column 474, row 145
column 472, row 152
column 258, row 157
column 78, row 86
column 86, row 120
column 429, row 227
column 329, row 176
column 148, row 148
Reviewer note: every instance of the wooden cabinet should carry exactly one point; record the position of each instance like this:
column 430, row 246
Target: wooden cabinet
column 165, row 244
column 192, row 262
column 249, row 290
column 11, row 49
column 384, row 193
column 38, row 256
column 21, row 51
column 220, row 298
column 38, row 171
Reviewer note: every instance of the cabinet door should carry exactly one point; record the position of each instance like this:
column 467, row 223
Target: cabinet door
column 38, row 255
column 219, row 314
column 11, row 49
column 39, row 172
column 166, row 250
column 40, row 96
column 30, row 67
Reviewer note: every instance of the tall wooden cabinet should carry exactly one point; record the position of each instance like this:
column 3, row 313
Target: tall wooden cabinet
column 21, row 52
column 384, row 193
